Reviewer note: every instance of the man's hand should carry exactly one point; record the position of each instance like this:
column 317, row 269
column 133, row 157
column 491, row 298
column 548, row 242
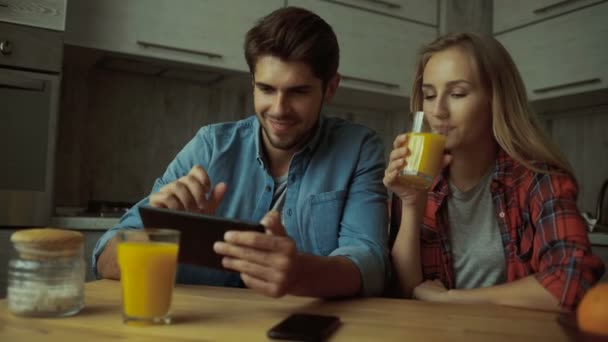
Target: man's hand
column 267, row 262
column 189, row 193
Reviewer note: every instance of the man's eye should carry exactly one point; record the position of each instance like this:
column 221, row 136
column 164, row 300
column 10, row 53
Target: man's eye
column 265, row 90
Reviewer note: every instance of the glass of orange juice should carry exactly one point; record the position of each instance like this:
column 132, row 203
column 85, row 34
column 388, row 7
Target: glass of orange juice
column 426, row 147
column 148, row 261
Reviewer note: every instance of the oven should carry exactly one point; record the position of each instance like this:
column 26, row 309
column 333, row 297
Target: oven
column 30, row 65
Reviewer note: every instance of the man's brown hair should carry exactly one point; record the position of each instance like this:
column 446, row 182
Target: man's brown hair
column 295, row 35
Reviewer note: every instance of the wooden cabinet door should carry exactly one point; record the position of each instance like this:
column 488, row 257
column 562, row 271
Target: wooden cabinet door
column 377, row 53
column 199, row 32
column 510, row 14
column 209, row 32
column 108, row 25
column 49, row 14
column 564, row 55
column 421, row 11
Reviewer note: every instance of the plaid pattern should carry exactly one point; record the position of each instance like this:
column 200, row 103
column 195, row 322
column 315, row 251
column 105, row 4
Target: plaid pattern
column 542, row 231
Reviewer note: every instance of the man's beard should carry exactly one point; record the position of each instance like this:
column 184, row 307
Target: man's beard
column 297, row 141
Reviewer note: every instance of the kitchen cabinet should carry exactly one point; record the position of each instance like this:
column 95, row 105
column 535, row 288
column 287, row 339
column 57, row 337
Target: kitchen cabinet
column 564, row 55
column 377, row 52
column 49, row 14
column 198, row 32
column 511, row 14
column 421, row 11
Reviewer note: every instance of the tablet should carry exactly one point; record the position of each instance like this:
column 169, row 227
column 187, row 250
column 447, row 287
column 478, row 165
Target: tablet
column 198, row 233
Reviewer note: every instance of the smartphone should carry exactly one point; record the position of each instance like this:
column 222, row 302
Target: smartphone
column 305, row 327
column 198, row 233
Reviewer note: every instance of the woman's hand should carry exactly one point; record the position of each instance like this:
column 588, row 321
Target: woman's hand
column 431, row 291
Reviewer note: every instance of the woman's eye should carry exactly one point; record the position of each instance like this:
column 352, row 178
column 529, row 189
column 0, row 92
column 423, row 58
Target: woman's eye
column 459, row 95
column 429, row 97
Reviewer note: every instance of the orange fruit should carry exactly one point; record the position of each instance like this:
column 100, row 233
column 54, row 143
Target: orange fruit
column 592, row 312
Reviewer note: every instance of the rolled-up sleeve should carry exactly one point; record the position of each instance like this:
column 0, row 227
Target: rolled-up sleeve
column 364, row 226
column 563, row 260
column 196, row 152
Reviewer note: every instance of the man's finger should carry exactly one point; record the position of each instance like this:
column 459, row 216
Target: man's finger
column 199, row 173
column 243, row 252
column 195, row 188
column 216, row 196
column 182, row 192
column 272, row 222
column 264, row 242
column 164, row 199
column 253, row 269
column 259, row 285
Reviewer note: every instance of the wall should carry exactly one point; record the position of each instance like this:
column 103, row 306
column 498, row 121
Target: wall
column 582, row 134
column 118, row 131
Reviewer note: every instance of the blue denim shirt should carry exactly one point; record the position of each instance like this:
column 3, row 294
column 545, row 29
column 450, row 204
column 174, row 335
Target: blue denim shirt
column 335, row 201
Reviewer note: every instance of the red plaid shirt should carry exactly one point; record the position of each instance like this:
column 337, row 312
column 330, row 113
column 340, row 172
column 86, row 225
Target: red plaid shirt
column 542, row 231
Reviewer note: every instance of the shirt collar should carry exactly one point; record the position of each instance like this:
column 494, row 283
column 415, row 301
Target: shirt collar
column 502, row 175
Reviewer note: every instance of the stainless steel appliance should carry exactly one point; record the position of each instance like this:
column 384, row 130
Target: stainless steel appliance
column 30, row 65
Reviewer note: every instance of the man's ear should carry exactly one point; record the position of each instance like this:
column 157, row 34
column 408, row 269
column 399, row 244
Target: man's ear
column 331, row 88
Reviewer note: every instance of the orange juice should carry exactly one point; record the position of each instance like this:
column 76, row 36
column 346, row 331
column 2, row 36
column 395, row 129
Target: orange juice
column 424, row 160
column 147, row 271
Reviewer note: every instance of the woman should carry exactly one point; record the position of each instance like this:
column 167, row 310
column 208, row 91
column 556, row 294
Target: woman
column 500, row 224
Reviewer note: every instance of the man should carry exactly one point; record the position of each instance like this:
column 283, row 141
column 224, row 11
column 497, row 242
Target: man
column 323, row 174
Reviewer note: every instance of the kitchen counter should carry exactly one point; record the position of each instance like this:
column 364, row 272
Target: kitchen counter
column 84, row 222
column 598, row 239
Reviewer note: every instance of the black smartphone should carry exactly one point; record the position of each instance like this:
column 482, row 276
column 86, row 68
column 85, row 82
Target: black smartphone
column 198, row 233
column 304, row 327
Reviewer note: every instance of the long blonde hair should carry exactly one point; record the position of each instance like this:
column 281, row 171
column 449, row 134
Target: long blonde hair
column 514, row 124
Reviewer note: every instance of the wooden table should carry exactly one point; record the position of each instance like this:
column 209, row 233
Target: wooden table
column 204, row 313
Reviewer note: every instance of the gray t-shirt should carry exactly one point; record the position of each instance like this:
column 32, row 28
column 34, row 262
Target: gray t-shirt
column 477, row 250
column 280, row 189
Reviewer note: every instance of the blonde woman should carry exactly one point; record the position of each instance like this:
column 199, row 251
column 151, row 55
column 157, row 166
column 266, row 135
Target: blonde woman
column 500, row 224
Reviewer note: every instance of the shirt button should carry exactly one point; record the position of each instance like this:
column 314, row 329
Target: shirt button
column 502, row 214
column 289, row 212
column 293, row 178
column 267, row 189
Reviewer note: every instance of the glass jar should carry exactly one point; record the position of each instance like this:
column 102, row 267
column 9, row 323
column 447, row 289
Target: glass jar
column 47, row 277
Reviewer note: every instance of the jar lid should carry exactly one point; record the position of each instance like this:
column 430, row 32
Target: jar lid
column 45, row 243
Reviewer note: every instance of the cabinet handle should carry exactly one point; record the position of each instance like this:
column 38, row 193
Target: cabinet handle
column 370, row 82
column 567, row 85
column 6, row 47
column 211, row 55
column 385, row 3
column 22, row 83
column 375, row 2
column 552, row 7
